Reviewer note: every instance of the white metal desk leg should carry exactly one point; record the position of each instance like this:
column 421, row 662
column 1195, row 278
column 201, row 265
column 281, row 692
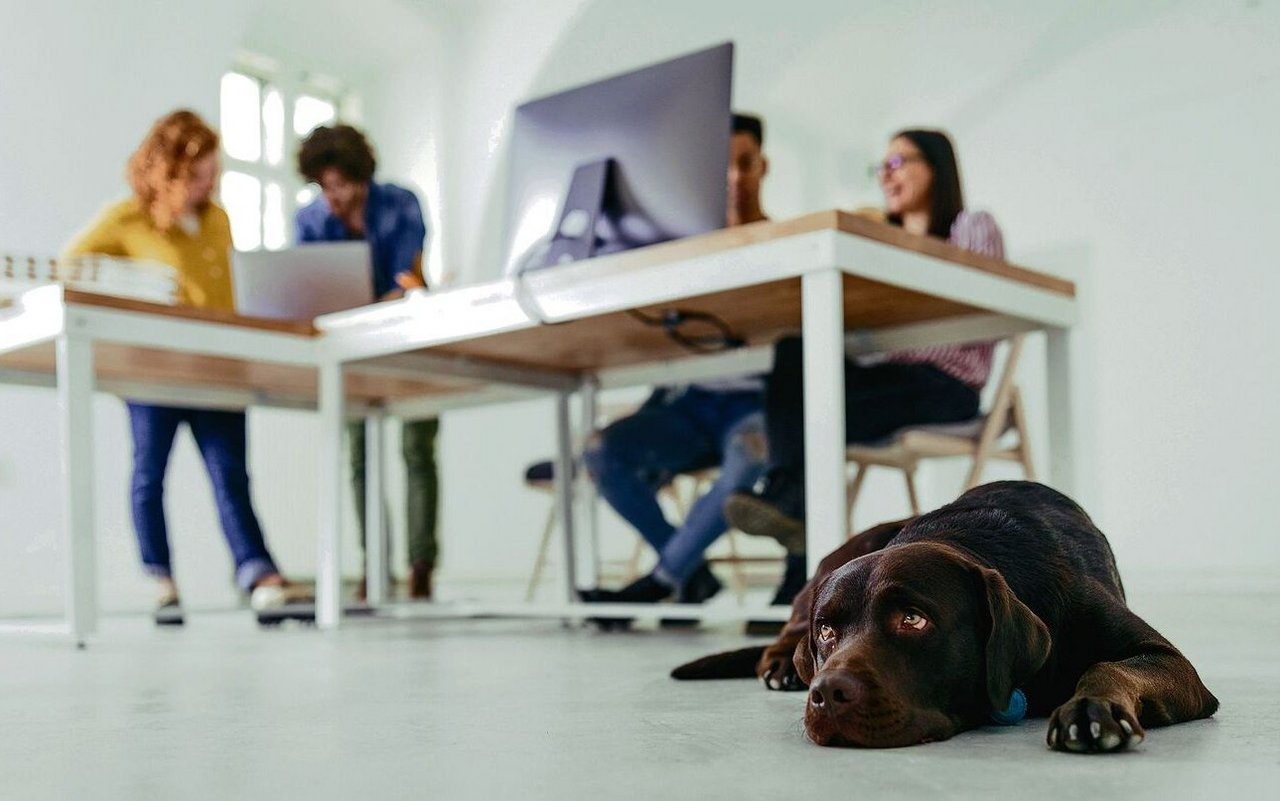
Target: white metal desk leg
column 1062, row 416
column 564, row 494
column 375, row 528
column 329, row 567
column 75, row 408
column 823, row 320
column 588, row 497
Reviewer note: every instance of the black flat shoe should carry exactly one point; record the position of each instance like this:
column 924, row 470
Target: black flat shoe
column 644, row 590
column 701, row 586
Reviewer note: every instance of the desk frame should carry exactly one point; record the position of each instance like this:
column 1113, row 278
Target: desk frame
column 46, row 315
column 819, row 251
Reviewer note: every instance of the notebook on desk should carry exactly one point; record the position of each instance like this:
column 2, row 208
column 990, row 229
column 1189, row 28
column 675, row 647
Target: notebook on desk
column 304, row 282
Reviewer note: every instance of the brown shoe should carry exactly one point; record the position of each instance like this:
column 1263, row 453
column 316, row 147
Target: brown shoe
column 420, row 581
column 751, row 514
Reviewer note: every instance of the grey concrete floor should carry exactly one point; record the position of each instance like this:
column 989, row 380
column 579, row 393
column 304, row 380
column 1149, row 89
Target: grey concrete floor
column 530, row 710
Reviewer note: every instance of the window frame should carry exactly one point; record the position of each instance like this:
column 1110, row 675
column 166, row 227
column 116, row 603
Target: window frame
column 285, row 174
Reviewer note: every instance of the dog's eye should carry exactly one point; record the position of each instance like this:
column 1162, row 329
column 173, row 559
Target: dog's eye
column 913, row 621
column 826, row 634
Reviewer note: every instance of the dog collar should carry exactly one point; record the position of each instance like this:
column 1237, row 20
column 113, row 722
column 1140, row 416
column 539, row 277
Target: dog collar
column 1014, row 712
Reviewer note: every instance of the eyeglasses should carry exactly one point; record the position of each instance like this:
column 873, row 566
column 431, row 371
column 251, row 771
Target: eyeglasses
column 891, row 164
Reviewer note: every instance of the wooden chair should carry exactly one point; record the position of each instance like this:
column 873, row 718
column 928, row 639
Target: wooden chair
column 978, row 439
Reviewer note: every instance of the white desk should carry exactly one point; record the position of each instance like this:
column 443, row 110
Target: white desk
column 826, row 275
column 81, row 343
column 839, row 279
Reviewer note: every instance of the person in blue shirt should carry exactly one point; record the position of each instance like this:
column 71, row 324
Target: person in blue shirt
column 353, row 206
column 685, row 428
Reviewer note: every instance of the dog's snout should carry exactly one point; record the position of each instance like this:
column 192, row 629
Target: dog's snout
column 835, row 691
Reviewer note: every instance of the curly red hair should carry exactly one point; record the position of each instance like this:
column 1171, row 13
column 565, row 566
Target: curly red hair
column 160, row 168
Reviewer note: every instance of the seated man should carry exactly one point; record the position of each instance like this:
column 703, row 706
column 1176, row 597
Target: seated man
column 354, row 207
column 685, row 428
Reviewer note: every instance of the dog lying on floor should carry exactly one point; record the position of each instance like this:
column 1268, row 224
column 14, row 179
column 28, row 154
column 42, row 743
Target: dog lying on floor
column 1005, row 602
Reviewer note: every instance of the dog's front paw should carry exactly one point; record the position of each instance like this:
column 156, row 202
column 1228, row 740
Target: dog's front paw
column 778, row 672
column 1093, row 726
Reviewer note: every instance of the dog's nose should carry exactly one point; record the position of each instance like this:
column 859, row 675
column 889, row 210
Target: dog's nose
column 831, row 691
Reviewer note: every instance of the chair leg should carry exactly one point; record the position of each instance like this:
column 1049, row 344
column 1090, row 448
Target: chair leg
column 910, row 475
column 739, row 575
column 633, row 565
column 1024, row 442
column 979, row 464
column 536, row 577
column 855, row 487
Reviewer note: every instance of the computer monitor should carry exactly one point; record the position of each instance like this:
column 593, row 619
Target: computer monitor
column 304, row 282
column 625, row 162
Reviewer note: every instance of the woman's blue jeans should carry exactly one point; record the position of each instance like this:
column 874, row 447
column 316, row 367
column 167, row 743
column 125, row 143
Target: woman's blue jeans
column 221, row 439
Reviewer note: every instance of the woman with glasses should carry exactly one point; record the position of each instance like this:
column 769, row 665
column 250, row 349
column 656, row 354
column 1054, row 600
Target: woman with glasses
column 920, row 180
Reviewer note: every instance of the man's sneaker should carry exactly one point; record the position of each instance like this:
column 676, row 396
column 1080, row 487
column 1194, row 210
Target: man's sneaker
column 169, row 610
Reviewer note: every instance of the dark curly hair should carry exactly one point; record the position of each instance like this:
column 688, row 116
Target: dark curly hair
column 339, row 146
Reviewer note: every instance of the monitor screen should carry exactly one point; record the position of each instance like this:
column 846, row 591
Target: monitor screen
column 651, row 146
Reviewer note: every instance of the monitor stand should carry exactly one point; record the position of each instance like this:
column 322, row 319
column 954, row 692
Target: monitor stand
column 593, row 218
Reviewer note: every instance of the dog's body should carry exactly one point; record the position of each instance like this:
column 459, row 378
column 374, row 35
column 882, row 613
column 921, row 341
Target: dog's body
column 916, row 630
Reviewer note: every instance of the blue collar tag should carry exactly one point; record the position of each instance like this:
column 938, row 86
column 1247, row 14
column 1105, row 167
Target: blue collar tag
column 1015, row 712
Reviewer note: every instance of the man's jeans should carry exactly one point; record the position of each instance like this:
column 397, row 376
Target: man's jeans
column 221, row 439
column 677, row 432
column 422, row 484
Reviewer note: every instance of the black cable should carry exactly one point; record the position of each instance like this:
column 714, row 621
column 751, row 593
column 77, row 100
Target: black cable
column 671, row 320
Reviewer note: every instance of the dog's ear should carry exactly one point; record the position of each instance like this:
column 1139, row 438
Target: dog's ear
column 803, row 659
column 1019, row 642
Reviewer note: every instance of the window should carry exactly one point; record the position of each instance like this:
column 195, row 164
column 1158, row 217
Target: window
column 262, row 121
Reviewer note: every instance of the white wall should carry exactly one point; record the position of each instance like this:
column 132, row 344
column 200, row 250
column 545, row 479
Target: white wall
column 1126, row 146
column 1123, row 145
column 80, row 82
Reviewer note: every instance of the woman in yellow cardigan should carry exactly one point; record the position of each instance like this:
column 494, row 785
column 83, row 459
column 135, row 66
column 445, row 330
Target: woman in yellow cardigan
column 172, row 219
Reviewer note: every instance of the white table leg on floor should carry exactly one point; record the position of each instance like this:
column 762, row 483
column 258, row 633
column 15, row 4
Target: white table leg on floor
column 375, row 520
column 75, row 408
column 1062, row 417
column 329, row 562
column 823, row 320
column 588, row 498
column 564, row 494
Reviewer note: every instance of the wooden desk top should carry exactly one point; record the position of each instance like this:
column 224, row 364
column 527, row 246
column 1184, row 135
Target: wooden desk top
column 131, row 365
column 758, row 314
column 304, row 328
column 834, row 220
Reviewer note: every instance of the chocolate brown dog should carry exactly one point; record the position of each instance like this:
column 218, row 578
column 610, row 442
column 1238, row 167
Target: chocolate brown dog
column 917, row 630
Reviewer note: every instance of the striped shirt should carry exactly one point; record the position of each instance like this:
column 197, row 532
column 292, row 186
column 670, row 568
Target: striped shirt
column 976, row 231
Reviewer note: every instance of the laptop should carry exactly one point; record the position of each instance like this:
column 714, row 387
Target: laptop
column 304, row 282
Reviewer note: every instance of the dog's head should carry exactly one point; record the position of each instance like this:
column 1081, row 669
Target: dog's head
column 913, row 644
